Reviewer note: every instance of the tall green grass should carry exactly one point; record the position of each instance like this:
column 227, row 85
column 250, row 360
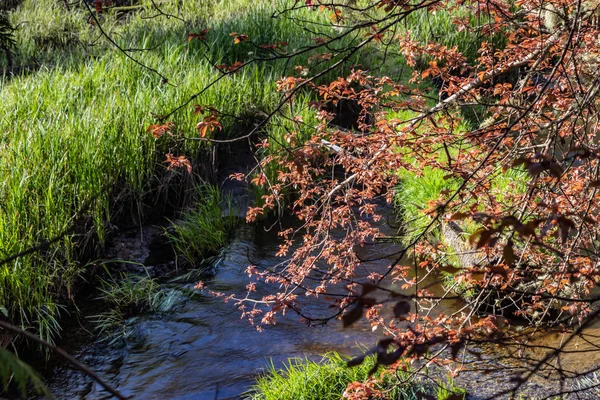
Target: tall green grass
column 74, row 131
column 127, row 296
column 414, row 194
column 417, row 191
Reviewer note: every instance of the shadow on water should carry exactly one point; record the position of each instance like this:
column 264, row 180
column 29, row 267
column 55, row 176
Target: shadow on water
column 202, row 349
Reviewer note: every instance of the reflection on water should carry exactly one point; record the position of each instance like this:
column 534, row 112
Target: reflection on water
column 204, row 350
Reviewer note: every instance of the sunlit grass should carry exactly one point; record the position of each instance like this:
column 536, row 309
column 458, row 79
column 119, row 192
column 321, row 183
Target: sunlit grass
column 418, row 192
column 329, row 378
column 74, row 131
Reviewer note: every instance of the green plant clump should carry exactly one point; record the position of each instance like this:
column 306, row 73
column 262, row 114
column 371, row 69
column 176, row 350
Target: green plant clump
column 205, row 228
column 414, row 194
column 328, row 379
column 129, row 296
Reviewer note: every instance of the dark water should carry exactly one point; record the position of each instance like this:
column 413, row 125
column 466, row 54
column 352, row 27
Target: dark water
column 202, row 349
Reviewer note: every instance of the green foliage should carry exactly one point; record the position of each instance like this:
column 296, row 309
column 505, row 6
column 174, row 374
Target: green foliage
column 205, row 228
column 327, row 380
column 449, row 390
column 25, row 295
column 16, row 373
column 109, row 324
column 133, row 294
column 128, row 296
column 417, row 192
column 414, row 194
column 194, row 275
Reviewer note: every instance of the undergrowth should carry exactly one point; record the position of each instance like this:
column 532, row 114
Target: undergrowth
column 416, row 193
column 128, row 296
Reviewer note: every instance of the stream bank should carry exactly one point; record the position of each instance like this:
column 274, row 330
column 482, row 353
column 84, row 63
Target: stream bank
column 201, row 349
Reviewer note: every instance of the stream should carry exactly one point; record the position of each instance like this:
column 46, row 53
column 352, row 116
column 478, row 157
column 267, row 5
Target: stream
column 201, row 349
